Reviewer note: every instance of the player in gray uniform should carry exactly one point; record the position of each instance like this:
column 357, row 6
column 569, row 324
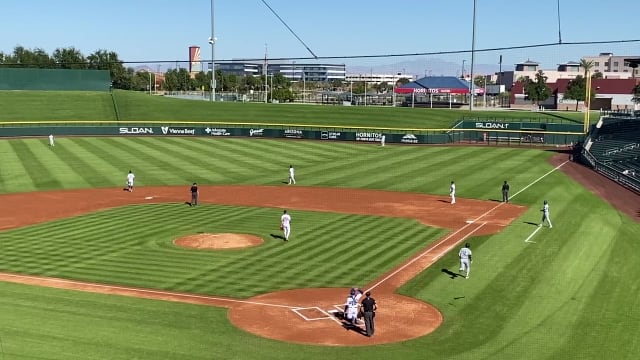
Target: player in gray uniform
column 465, row 259
column 545, row 214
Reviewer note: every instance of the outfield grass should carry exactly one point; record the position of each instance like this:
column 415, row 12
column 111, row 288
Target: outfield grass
column 132, row 106
column 568, row 295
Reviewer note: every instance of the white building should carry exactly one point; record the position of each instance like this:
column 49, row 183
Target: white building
column 371, row 78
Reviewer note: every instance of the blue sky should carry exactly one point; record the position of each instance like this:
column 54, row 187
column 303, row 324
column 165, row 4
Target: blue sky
column 162, row 30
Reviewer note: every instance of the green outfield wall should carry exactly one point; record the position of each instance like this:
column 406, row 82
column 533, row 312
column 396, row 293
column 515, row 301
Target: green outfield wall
column 517, row 135
column 54, row 79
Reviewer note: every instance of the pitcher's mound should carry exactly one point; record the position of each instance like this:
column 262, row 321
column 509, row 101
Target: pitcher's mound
column 218, row 241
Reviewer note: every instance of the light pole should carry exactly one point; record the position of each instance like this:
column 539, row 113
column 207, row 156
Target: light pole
column 473, row 53
column 212, row 42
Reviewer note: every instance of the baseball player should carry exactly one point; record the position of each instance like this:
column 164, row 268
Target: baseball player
column 545, row 214
column 351, row 308
column 194, row 194
column 292, row 178
column 465, row 259
column 452, row 192
column 285, row 224
column 51, row 141
column 382, row 140
column 130, row 178
column 505, row 192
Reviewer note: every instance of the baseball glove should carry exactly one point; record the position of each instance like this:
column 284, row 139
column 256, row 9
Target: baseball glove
column 281, row 227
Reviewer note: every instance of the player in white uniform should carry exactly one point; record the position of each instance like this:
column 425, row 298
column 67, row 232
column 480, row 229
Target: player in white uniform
column 545, row 214
column 465, row 259
column 452, row 192
column 285, row 223
column 292, row 177
column 351, row 308
column 51, row 142
column 130, row 178
column 382, row 140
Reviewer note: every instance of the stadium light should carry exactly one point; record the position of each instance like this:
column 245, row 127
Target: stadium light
column 473, row 52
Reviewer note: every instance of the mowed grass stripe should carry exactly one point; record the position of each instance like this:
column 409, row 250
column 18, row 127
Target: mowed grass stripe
column 215, row 160
column 85, row 159
column 167, row 162
column 35, row 169
column 195, row 164
column 135, row 259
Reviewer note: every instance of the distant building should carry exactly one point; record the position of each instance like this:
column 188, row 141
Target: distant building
column 568, row 70
column 610, row 94
column 195, row 66
column 292, row 71
column 607, row 62
column 371, row 78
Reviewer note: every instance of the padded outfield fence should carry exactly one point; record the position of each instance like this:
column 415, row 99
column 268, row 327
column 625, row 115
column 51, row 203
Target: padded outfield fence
column 479, row 132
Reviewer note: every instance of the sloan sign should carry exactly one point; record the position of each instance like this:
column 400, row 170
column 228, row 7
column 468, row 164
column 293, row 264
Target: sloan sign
column 136, row 130
column 491, row 125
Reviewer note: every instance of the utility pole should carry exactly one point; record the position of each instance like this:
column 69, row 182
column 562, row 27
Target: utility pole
column 473, row 53
column 266, row 64
column 212, row 41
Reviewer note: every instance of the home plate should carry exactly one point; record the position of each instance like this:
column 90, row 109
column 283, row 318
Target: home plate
column 469, row 221
column 148, row 197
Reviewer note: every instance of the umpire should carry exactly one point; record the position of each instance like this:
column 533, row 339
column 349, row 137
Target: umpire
column 369, row 308
column 505, row 192
column 194, row 194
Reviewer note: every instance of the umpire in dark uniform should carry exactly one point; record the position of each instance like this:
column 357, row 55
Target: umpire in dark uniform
column 369, row 308
column 194, row 194
column 505, row 192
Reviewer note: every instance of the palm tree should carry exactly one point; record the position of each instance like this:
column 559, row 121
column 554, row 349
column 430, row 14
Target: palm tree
column 587, row 65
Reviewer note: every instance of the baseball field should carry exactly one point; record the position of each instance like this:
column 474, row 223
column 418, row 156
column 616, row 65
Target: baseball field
column 90, row 271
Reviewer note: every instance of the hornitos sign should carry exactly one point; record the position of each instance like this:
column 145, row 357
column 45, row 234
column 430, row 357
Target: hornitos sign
column 368, row 136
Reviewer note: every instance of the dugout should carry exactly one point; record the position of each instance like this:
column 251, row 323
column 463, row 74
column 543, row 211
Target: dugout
column 54, row 79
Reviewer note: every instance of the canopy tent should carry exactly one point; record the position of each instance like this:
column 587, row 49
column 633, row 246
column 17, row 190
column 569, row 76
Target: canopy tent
column 437, row 85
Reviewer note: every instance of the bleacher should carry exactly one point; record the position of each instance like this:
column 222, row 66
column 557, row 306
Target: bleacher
column 613, row 148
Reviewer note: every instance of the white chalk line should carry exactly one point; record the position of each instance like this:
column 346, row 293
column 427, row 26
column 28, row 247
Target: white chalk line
column 460, row 229
column 293, row 308
column 148, row 291
column 540, row 178
column 530, row 236
column 526, row 187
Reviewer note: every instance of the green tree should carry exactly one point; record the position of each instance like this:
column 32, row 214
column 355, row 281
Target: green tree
column 636, row 94
column 69, row 58
column 402, row 81
column 537, row 90
column 576, row 90
column 597, row 75
column 25, row 58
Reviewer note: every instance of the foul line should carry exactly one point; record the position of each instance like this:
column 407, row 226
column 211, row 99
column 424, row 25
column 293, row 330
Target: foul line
column 538, row 179
column 533, row 233
column 460, row 229
column 149, row 291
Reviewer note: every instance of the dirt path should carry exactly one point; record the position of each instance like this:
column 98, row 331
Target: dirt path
column 302, row 315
